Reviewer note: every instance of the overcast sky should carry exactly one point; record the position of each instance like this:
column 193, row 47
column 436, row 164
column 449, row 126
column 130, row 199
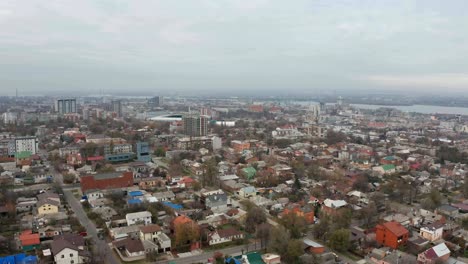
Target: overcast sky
column 152, row 47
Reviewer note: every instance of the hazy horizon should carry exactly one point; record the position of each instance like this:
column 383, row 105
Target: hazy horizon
column 233, row 47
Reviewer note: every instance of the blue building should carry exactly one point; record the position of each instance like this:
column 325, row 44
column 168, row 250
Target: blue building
column 143, row 152
column 120, row 157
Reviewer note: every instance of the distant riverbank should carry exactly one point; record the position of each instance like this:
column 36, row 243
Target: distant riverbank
column 422, row 109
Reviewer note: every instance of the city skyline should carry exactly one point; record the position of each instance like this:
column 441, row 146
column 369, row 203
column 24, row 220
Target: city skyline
column 232, row 47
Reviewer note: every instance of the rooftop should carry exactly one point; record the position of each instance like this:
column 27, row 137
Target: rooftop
column 150, row 228
column 396, row 228
column 108, row 175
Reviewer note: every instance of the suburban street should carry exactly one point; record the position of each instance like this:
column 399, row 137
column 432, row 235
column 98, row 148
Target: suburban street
column 105, row 252
column 231, row 251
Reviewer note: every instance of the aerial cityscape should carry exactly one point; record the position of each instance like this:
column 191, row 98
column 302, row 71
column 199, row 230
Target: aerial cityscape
column 233, row 132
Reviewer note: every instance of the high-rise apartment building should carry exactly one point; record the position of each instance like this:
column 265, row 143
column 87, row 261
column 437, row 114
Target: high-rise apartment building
column 117, row 107
column 65, row 106
column 156, row 101
column 195, row 125
column 30, row 144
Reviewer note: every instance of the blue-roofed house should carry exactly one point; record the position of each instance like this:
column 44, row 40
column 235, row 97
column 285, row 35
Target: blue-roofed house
column 135, row 194
column 173, row 205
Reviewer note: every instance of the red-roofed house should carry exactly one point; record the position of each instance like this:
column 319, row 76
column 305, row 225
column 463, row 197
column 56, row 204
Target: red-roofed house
column 436, row 254
column 185, row 182
column 307, row 214
column 391, row 234
column 29, row 240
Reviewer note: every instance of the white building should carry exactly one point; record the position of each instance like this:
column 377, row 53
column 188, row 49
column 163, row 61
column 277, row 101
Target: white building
column 30, row 144
column 9, row 117
column 432, row 232
column 216, row 143
column 69, row 249
column 94, row 194
column 69, row 255
column 224, row 235
column 164, row 196
column 139, row 217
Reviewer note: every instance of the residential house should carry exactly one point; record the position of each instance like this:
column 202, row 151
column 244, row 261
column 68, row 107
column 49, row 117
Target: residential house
column 69, row 248
column 49, row 232
column 247, row 192
column 132, row 247
column 138, row 218
column 432, row 232
column 154, row 234
column 106, row 212
column 224, row 235
column 215, row 220
column 149, row 232
column 313, row 247
column 448, row 211
column 132, row 231
column 99, row 202
column 185, row 182
column 48, row 196
column 436, row 254
column 164, row 242
column 332, row 206
column 391, row 234
column 94, row 194
column 271, row 258
column 215, row 201
column 47, row 206
column 29, row 240
column 164, row 196
column 25, row 204
column 151, row 182
column 307, row 212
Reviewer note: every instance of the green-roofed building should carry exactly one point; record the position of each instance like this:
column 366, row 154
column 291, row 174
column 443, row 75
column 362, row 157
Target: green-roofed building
column 23, row 155
column 388, row 167
column 253, row 258
column 249, row 172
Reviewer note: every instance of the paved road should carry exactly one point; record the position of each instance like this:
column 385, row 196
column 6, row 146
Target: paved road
column 101, row 246
column 203, row 258
column 105, row 252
